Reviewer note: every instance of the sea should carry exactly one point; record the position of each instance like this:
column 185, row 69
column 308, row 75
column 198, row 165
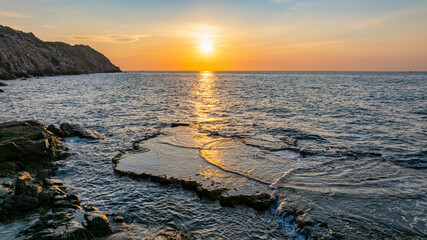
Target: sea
column 366, row 132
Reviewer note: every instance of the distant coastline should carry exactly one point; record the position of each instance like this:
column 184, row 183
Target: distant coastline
column 24, row 55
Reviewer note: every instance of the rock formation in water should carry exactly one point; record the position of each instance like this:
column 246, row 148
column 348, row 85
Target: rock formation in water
column 24, row 55
column 33, row 147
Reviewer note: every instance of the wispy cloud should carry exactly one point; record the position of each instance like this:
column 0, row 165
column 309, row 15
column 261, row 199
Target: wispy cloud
column 384, row 19
column 49, row 26
column 13, row 14
column 110, row 38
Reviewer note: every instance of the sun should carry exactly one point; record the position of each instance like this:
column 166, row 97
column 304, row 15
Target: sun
column 206, row 46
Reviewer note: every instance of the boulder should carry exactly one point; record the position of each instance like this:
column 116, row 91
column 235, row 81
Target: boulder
column 55, row 130
column 75, row 231
column 74, row 130
column 27, row 145
column 98, row 224
column 1, row 90
column 2, row 84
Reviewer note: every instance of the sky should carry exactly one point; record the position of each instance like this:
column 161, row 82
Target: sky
column 242, row 35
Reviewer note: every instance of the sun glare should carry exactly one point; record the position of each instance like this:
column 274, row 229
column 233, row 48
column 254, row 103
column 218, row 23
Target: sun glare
column 206, row 46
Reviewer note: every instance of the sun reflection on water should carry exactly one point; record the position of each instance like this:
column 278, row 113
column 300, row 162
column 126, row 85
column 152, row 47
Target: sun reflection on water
column 206, row 103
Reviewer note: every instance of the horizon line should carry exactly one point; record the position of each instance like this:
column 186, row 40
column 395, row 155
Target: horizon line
column 407, row 71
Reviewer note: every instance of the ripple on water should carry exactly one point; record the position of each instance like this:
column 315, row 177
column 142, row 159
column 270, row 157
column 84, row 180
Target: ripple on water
column 368, row 111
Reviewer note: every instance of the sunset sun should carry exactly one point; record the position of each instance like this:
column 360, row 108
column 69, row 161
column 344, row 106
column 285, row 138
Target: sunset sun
column 206, row 46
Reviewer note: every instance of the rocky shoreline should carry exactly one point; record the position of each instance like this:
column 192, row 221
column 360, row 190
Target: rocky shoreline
column 24, row 55
column 28, row 152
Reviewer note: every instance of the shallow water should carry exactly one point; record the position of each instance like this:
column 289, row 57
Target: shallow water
column 357, row 195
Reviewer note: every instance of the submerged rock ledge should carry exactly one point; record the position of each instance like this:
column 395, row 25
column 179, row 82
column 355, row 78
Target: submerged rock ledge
column 258, row 202
column 177, row 149
column 260, row 171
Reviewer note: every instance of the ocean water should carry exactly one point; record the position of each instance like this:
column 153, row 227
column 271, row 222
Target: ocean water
column 345, row 120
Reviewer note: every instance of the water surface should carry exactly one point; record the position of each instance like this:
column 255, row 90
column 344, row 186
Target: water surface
column 329, row 113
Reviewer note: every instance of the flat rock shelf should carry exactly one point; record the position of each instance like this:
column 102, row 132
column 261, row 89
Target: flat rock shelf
column 182, row 155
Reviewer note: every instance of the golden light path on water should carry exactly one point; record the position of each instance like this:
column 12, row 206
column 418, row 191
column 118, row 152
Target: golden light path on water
column 206, row 102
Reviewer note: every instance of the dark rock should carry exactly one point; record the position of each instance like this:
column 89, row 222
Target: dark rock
column 74, row 199
column 2, row 84
column 98, row 224
column 1, row 90
column 25, row 202
column 55, row 130
column 27, row 145
column 90, row 208
column 118, row 219
column 75, row 231
column 179, row 124
column 73, row 130
column 24, row 55
column 61, row 204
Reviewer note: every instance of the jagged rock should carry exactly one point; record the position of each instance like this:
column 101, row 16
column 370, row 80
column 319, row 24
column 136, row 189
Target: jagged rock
column 74, row 199
column 27, row 145
column 25, row 202
column 61, row 204
column 3, row 191
column 75, row 231
column 24, row 55
column 90, row 208
column 118, row 219
column 73, row 130
column 55, row 130
column 98, row 224
column 23, row 180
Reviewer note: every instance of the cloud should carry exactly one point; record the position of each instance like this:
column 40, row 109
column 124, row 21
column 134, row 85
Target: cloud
column 384, row 19
column 110, row 38
column 49, row 26
column 12, row 14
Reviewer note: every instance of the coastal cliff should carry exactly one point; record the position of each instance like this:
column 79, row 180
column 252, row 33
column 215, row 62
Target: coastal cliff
column 24, row 55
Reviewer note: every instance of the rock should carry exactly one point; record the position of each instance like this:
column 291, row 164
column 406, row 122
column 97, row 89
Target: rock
column 61, row 204
column 180, row 124
column 90, row 208
column 73, row 130
column 55, row 130
column 25, row 202
column 98, row 224
column 27, row 145
column 1, row 90
column 74, row 199
column 23, row 55
column 213, row 167
column 76, row 231
column 118, row 219
column 24, row 185
column 3, row 191
column 2, row 84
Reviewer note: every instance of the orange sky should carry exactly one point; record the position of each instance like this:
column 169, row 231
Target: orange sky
column 245, row 35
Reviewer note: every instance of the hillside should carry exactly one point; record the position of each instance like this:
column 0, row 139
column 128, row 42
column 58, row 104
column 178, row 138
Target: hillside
column 24, row 55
